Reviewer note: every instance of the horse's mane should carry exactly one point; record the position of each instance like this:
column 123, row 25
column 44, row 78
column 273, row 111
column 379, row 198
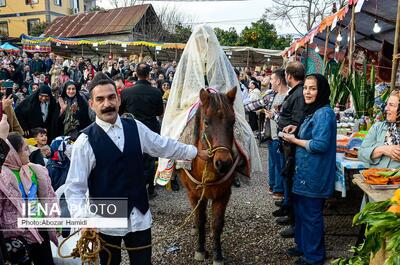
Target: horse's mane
column 219, row 101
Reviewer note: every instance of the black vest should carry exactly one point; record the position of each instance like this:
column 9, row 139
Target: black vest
column 118, row 174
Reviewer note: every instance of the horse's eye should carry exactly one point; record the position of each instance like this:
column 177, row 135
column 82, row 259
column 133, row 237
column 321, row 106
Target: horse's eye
column 206, row 123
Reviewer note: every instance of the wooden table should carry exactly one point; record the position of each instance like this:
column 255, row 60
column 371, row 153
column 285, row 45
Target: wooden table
column 373, row 195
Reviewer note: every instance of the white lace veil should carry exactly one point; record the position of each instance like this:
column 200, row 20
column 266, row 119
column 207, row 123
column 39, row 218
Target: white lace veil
column 204, row 57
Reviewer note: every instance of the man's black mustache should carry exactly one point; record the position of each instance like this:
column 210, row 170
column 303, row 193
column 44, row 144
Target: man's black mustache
column 109, row 109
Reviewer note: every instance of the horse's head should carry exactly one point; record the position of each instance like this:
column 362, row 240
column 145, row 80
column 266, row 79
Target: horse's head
column 218, row 118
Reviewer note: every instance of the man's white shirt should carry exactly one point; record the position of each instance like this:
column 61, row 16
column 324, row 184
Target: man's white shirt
column 83, row 161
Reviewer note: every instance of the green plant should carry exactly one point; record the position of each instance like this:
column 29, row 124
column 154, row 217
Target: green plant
column 382, row 230
column 338, row 85
column 362, row 91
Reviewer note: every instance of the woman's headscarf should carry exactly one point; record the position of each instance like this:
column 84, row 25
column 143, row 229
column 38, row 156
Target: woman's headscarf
column 322, row 95
column 64, row 90
column 392, row 136
column 45, row 89
column 14, row 162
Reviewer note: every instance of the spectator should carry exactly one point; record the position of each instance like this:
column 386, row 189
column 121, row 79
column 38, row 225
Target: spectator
column 74, row 111
column 36, row 154
column 89, row 70
column 110, row 69
column 119, row 82
column 37, row 65
column 33, row 88
column 145, row 103
column 27, row 76
column 166, row 87
column 171, row 69
column 74, row 74
column 314, row 178
column 292, row 113
column 55, row 71
column 254, row 95
column 64, row 77
column 49, row 62
column 39, row 110
column 24, row 181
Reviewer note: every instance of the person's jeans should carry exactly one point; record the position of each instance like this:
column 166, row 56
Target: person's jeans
column 309, row 228
column 275, row 160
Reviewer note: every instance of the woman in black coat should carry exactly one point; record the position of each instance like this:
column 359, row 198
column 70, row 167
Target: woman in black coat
column 74, row 111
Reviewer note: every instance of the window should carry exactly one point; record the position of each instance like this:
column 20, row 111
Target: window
column 2, row 3
column 57, row 2
column 31, row 2
column 3, row 28
column 76, row 6
column 31, row 23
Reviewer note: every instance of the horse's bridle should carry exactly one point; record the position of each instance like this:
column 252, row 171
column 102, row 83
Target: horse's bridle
column 212, row 150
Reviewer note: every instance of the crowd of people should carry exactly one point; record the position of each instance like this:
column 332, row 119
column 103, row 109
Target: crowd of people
column 69, row 112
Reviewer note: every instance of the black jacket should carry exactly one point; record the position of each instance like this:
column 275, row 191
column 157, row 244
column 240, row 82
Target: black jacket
column 292, row 112
column 113, row 72
column 144, row 102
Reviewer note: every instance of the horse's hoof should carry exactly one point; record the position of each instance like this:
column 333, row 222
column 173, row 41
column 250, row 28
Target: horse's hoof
column 194, row 231
column 200, row 256
column 218, row 262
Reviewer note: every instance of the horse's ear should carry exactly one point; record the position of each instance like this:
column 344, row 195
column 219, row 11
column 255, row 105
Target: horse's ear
column 232, row 94
column 204, row 96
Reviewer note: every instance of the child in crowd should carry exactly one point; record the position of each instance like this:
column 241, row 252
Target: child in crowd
column 40, row 151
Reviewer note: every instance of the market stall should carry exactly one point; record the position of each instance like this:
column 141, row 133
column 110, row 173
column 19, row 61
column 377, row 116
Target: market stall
column 239, row 56
column 6, row 47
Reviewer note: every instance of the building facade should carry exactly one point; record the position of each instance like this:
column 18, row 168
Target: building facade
column 18, row 16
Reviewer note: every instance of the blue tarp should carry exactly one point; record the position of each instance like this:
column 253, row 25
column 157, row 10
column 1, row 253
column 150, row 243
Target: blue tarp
column 8, row 47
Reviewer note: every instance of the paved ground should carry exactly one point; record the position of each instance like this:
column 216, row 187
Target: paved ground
column 250, row 234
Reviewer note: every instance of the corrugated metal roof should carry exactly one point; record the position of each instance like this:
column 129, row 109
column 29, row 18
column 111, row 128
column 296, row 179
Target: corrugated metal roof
column 122, row 19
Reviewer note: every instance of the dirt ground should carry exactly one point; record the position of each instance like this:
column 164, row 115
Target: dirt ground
column 250, row 234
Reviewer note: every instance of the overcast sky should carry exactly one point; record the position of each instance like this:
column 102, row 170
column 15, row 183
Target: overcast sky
column 224, row 14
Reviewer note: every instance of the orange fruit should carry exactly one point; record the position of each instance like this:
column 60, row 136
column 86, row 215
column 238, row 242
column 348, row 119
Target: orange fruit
column 394, row 209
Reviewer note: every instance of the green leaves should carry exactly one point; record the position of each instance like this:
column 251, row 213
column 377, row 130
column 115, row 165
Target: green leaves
column 362, row 91
column 337, row 83
column 382, row 229
column 262, row 34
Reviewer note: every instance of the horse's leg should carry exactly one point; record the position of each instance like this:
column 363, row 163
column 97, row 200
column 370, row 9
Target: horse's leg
column 200, row 218
column 218, row 211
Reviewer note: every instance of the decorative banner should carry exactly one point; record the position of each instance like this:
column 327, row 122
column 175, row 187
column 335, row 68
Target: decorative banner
column 42, row 47
column 329, row 21
column 334, row 23
column 359, row 6
column 25, row 39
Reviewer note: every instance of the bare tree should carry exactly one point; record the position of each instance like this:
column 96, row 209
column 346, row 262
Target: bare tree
column 172, row 18
column 301, row 14
column 124, row 3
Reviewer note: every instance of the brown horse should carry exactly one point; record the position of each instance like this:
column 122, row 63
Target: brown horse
column 214, row 131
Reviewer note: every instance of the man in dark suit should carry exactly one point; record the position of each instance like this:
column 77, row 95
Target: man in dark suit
column 145, row 103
